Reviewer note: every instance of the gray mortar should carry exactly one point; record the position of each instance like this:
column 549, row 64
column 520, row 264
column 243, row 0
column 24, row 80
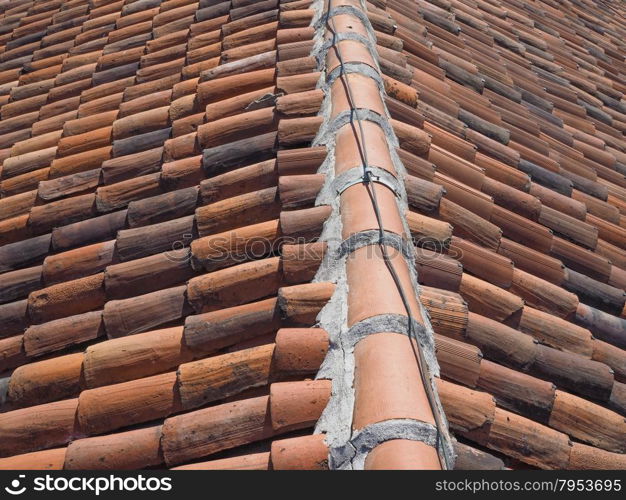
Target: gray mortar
column 356, row 67
column 344, row 36
column 355, row 176
column 344, row 117
column 366, row 439
column 396, row 323
column 348, row 450
column 338, row 366
column 341, row 9
column 372, row 237
column 4, row 390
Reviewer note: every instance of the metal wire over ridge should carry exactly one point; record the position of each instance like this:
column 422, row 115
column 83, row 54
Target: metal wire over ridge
column 367, row 180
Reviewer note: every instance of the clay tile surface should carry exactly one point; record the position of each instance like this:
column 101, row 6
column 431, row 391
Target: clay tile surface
column 207, row 218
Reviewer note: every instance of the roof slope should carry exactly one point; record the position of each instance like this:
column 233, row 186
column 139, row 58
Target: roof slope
column 190, row 265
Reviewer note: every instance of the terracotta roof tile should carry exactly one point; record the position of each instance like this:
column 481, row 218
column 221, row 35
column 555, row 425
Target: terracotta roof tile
column 45, row 381
column 256, row 461
column 52, row 459
column 399, row 455
column 51, row 425
column 126, row 450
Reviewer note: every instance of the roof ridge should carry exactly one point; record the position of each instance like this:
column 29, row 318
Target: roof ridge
column 354, row 89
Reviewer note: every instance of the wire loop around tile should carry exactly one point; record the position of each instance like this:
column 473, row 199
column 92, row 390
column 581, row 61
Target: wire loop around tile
column 355, row 176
